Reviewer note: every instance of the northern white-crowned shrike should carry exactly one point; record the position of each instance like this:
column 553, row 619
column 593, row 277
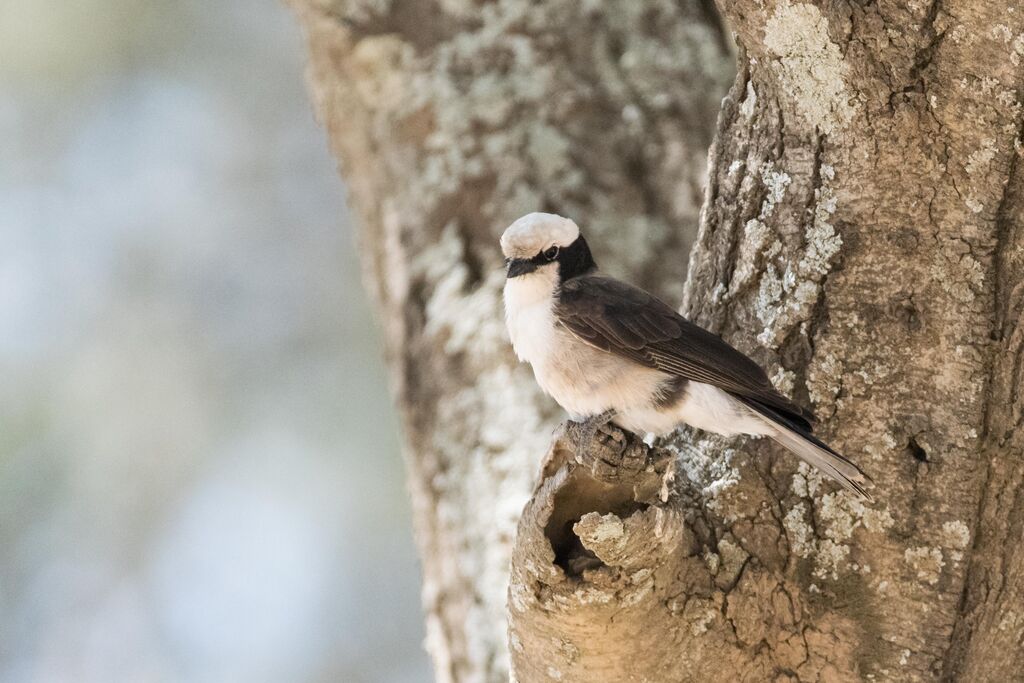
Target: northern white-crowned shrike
column 609, row 351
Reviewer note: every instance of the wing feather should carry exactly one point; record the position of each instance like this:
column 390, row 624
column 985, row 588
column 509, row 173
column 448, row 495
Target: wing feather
column 618, row 318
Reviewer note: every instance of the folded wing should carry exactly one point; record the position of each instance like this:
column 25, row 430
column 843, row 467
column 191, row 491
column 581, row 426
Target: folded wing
column 619, row 318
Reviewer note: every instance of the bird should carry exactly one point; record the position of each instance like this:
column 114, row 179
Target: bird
column 608, row 351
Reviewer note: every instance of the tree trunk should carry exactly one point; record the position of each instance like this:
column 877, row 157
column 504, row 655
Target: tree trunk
column 862, row 237
column 450, row 121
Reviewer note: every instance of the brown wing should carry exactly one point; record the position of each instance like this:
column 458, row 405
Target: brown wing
column 625, row 320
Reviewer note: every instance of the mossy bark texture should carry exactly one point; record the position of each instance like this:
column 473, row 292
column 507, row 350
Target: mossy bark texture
column 862, row 236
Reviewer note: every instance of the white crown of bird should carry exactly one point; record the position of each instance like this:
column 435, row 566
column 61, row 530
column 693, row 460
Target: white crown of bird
column 535, row 232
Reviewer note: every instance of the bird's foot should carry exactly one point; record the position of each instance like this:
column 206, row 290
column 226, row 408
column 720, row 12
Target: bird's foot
column 607, row 452
column 588, row 431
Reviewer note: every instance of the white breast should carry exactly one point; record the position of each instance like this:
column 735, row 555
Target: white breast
column 584, row 380
column 529, row 315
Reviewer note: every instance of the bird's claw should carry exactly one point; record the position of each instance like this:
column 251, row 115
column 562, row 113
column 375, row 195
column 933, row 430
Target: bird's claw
column 589, row 429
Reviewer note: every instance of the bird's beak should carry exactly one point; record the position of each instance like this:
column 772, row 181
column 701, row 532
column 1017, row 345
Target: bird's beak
column 520, row 266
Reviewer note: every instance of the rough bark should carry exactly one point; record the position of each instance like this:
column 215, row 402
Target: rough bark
column 988, row 639
column 451, row 119
column 862, row 238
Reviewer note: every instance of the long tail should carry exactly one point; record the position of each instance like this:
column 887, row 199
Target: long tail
column 809, row 448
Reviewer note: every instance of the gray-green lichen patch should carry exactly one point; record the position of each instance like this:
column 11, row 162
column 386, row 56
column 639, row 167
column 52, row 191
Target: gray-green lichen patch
column 957, row 534
column 784, row 380
column 487, row 485
column 461, row 317
column 824, row 379
column 799, row 533
column 837, row 517
column 787, row 299
column 756, row 238
column 706, row 460
column 1017, row 50
column 809, row 65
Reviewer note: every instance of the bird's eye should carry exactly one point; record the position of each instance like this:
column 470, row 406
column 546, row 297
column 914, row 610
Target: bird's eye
column 551, row 253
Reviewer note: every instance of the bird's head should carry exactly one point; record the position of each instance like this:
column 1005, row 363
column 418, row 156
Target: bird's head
column 545, row 242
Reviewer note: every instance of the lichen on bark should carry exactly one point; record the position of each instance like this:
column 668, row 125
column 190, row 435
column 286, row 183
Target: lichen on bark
column 451, row 119
column 838, row 247
column 860, row 237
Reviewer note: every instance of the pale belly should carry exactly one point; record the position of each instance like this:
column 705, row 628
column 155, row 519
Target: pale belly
column 587, row 381
column 702, row 406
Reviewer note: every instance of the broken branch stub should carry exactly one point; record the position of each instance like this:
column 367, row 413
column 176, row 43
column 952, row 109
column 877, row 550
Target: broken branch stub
column 602, row 558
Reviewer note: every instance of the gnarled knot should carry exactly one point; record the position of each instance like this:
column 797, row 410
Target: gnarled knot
column 613, row 455
column 631, row 543
column 604, row 504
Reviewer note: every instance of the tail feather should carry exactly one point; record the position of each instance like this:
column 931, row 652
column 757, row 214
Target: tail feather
column 812, row 450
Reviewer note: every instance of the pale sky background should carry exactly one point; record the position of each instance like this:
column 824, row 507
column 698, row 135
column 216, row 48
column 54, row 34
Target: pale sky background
column 199, row 468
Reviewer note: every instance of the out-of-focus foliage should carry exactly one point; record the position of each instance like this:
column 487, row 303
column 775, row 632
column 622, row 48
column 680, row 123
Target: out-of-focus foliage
column 199, row 478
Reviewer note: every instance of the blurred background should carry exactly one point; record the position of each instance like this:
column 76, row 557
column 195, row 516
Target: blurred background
column 199, row 469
